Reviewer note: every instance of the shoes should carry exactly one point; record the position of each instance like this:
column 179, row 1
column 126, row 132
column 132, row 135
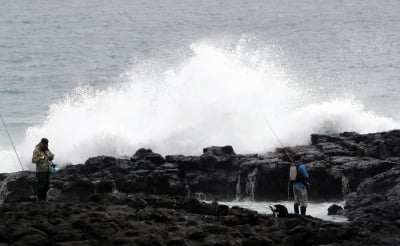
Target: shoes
column 303, row 210
column 44, row 201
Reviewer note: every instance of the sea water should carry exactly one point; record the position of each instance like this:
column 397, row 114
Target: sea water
column 317, row 210
column 101, row 77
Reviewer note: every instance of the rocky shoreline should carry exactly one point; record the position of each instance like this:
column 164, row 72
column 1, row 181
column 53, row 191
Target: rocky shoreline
column 149, row 199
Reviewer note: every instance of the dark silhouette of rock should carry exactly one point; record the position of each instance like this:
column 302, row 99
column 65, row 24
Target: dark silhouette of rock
column 335, row 210
column 148, row 155
column 151, row 200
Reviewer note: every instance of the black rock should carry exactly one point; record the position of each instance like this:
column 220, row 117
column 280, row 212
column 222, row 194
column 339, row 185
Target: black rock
column 131, row 199
column 148, row 155
column 335, row 210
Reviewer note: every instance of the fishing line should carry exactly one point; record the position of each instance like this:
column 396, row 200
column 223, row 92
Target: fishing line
column 277, row 138
column 284, row 149
column 15, row 150
column 12, row 143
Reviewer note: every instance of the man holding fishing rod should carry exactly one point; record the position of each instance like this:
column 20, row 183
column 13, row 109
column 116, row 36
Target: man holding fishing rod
column 42, row 157
column 299, row 177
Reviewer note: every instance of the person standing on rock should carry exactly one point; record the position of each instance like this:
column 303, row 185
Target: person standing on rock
column 299, row 186
column 42, row 157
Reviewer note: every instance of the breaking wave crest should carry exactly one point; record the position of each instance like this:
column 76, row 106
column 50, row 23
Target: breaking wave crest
column 216, row 97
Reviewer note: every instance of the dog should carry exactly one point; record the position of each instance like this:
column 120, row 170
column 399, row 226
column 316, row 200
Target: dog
column 279, row 211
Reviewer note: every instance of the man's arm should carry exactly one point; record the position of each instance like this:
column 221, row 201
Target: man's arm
column 49, row 155
column 304, row 172
column 36, row 157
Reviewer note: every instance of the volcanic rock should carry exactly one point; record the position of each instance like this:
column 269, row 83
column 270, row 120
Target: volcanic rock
column 151, row 200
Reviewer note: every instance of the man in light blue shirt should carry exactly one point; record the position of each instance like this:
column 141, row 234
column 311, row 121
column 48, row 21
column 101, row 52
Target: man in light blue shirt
column 299, row 186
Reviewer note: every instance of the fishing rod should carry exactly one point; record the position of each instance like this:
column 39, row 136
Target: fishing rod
column 277, row 138
column 284, row 149
column 16, row 153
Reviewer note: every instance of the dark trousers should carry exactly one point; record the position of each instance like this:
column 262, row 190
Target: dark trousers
column 43, row 184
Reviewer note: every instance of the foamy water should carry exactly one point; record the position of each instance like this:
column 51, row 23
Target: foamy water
column 218, row 96
column 318, row 210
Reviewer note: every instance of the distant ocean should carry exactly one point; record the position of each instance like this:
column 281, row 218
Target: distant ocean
column 102, row 77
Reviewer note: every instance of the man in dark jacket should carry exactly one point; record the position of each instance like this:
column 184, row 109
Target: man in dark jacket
column 299, row 186
column 42, row 157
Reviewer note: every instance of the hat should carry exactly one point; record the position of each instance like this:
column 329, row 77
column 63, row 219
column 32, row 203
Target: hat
column 297, row 157
column 44, row 141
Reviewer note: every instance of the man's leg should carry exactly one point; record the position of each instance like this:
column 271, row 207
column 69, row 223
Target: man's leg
column 40, row 186
column 304, row 201
column 296, row 200
column 296, row 208
column 46, row 185
column 43, row 184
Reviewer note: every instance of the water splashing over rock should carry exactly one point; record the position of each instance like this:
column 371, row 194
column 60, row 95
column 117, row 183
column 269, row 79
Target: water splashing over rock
column 251, row 184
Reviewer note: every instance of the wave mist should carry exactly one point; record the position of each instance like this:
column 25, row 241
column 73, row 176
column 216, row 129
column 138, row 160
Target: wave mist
column 218, row 96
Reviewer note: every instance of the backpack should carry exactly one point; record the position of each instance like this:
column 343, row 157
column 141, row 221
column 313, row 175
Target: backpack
column 294, row 174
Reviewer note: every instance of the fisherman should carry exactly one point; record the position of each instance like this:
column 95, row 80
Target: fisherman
column 42, row 157
column 300, row 186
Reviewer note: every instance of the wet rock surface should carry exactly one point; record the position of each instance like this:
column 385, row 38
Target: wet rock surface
column 163, row 220
column 150, row 192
